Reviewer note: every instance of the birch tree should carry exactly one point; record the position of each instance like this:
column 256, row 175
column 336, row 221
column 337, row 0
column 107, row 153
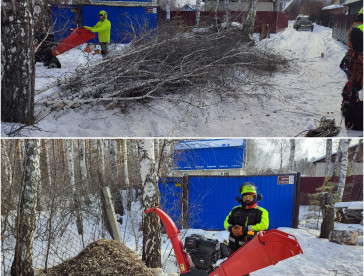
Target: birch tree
column 337, row 158
column 292, row 155
column 343, row 169
column 102, row 158
column 151, row 223
column 26, row 216
column 7, row 188
column 280, row 147
column 198, row 12
column 83, row 168
column 113, row 161
column 355, row 154
column 328, row 156
column 249, row 17
column 75, row 194
column 227, row 12
column 17, row 60
column 130, row 193
column 168, row 10
column 48, row 163
column 207, row 5
column 40, row 18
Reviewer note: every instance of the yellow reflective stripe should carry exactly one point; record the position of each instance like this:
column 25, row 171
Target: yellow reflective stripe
column 360, row 27
column 264, row 223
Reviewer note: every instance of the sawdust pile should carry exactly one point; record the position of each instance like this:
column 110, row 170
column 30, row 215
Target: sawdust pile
column 103, row 257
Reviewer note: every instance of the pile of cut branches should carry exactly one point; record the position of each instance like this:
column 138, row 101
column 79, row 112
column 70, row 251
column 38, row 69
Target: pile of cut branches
column 171, row 62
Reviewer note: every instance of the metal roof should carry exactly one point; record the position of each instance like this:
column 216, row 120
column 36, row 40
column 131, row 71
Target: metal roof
column 210, row 154
column 211, row 143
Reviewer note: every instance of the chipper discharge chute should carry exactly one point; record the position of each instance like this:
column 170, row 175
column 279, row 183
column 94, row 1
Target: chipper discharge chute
column 265, row 249
column 46, row 54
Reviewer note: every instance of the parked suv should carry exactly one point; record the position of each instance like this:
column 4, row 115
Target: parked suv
column 303, row 22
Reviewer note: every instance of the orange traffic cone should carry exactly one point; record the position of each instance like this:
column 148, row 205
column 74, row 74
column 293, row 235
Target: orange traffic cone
column 88, row 50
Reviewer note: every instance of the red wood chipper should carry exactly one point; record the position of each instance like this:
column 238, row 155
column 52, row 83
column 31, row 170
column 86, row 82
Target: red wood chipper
column 48, row 49
column 198, row 257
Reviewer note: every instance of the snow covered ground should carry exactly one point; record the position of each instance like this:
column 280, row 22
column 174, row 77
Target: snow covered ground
column 310, row 90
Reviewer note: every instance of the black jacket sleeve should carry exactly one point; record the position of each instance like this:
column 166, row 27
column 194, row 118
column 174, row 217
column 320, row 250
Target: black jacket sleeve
column 356, row 37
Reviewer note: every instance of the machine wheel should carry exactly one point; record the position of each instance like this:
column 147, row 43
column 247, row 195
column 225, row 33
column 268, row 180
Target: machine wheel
column 54, row 63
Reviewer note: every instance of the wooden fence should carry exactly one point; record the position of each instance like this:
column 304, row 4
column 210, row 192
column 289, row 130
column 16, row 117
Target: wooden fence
column 340, row 24
column 277, row 20
column 353, row 188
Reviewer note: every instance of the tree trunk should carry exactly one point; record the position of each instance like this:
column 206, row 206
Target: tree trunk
column 26, row 218
column 47, row 160
column 292, row 155
column 240, row 5
column 168, row 10
column 18, row 70
column 151, row 223
column 217, row 7
column 71, row 173
column 343, row 169
column 227, row 13
column 328, row 156
column 102, row 158
column 327, row 208
column 207, row 5
column 83, row 168
column 198, row 12
column 337, row 158
column 249, row 18
column 40, row 16
column 114, row 162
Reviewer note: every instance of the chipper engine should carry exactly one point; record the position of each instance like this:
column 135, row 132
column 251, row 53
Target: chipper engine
column 47, row 49
column 198, row 256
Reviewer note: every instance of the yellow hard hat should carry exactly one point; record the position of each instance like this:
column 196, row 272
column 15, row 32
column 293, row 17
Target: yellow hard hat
column 103, row 13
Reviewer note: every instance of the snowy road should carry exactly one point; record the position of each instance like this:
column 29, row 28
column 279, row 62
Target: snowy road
column 309, row 90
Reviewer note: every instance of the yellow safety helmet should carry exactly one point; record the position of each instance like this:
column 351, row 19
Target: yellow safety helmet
column 248, row 188
column 103, row 13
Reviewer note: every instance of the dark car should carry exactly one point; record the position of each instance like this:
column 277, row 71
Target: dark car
column 303, row 22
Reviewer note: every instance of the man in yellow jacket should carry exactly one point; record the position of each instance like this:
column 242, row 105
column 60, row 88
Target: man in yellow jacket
column 246, row 218
column 102, row 27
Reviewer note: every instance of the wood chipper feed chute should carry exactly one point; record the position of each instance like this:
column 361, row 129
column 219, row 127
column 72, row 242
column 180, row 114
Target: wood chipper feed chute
column 265, row 249
column 184, row 261
column 76, row 38
column 48, row 55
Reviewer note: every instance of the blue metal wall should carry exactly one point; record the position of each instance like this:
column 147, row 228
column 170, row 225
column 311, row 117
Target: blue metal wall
column 212, row 198
column 63, row 18
column 171, row 203
column 125, row 21
column 200, row 157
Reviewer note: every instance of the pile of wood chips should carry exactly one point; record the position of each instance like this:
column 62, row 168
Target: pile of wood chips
column 103, row 257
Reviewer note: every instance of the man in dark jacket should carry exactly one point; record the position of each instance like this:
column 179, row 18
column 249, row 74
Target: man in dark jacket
column 246, row 218
column 353, row 61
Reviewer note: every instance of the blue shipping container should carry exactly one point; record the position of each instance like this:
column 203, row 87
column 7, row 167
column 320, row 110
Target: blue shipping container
column 64, row 17
column 171, row 201
column 210, row 154
column 212, row 198
column 126, row 22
